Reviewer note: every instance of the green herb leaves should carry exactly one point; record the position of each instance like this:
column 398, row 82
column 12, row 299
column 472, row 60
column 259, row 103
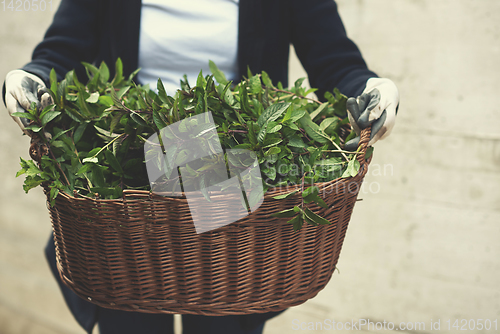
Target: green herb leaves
column 302, row 213
column 99, row 129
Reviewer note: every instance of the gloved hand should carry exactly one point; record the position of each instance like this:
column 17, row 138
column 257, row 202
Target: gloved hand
column 377, row 105
column 21, row 89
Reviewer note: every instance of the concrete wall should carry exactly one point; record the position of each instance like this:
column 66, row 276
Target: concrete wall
column 423, row 243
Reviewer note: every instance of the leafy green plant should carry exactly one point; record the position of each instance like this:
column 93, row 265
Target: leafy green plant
column 95, row 133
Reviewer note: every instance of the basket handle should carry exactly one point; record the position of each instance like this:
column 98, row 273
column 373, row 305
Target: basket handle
column 363, row 143
column 37, row 147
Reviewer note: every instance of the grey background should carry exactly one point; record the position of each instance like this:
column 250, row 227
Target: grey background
column 423, row 243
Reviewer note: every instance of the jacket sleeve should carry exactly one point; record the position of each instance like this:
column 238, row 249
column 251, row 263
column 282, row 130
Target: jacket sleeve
column 72, row 37
column 329, row 57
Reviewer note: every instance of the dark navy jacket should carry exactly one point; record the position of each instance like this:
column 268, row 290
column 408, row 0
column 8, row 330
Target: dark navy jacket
column 102, row 30
column 96, row 30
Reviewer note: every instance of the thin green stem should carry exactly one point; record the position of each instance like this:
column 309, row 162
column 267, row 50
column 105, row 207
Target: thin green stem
column 334, row 144
column 106, row 146
column 294, row 94
column 340, row 151
column 89, row 184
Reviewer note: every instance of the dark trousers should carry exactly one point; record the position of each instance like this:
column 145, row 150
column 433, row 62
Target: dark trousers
column 121, row 322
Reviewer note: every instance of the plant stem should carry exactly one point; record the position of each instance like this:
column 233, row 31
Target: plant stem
column 58, row 166
column 335, row 144
column 302, row 190
column 78, row 156
column 107, row 145
column 341, row 151
column 42, row 136
column 292, row 94
column 304, row 133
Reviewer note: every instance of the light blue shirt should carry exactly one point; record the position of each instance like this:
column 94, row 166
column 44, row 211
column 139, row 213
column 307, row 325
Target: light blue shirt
column 179, row 37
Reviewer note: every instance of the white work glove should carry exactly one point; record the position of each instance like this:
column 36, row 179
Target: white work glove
column 377, row 105
column 21, row 89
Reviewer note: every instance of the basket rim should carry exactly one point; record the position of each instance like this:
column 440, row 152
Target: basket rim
column 130, row 193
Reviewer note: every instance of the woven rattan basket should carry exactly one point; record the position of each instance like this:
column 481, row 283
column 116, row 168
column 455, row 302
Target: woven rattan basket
column 141, row 253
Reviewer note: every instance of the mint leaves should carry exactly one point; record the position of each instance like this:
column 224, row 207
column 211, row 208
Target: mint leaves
column 98, row 130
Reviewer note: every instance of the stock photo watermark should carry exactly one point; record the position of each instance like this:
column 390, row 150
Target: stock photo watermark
column 415, row 326
column 26, row 5
column 173, row 158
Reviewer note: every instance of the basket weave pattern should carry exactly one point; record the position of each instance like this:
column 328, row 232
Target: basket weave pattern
column 141, row 252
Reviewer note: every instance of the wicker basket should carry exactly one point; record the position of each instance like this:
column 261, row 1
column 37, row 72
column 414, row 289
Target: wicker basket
column 141, row 253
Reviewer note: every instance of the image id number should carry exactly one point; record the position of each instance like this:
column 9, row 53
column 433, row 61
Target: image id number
column 472, row 324
column 26, row 5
